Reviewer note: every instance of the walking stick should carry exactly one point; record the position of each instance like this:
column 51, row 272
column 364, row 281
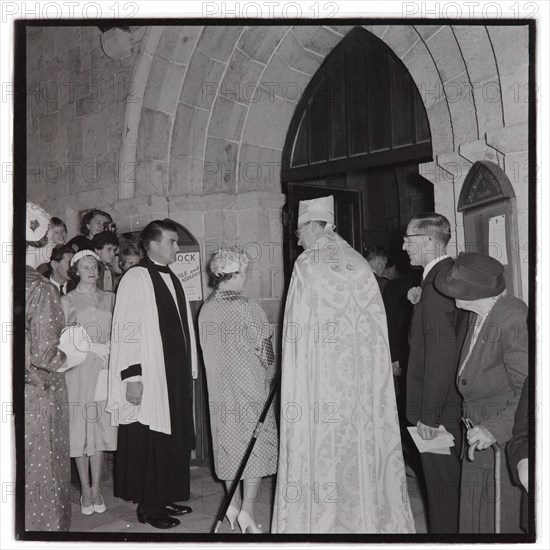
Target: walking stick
column 498, row 494
column 255, row 435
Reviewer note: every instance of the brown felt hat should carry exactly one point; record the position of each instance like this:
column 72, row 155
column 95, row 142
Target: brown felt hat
column 471, row 277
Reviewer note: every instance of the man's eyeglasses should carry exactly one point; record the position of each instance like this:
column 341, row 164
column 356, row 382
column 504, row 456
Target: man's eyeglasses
column 405, row 236
column 297, row 232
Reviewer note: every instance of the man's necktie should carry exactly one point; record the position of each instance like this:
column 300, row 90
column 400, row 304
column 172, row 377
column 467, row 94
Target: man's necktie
column 61, row 291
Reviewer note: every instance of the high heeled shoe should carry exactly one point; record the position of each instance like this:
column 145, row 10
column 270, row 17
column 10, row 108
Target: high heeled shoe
column 99, row 508
column 86, row 510
column 231, row 515
column 246, row 522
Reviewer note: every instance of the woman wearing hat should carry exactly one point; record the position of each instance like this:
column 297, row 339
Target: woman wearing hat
column 90, row 432
column 47, row 463
column 236, row 337
column 492, row 369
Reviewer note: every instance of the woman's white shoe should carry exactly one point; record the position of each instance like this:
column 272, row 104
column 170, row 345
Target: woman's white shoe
column 100, row 508
column 86, row 510
column 246, row 522
column 231, row 515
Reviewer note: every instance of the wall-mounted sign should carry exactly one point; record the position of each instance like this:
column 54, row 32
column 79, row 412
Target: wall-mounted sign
column 497, row 239
column 188, row 269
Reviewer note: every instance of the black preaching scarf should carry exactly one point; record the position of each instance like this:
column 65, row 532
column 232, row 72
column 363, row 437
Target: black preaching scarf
column 176, row 345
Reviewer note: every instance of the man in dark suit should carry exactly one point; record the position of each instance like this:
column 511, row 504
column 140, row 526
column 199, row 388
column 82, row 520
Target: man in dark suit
column 377, row 257
column 432, row 397
column 517, row 451
column 58, row 267
column 399, row 313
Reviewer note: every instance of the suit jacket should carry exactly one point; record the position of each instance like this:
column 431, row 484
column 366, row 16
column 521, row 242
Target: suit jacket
column 71, row 284
column 399, row 312
column 435, row 341
column 518, row 447
column 493, row 376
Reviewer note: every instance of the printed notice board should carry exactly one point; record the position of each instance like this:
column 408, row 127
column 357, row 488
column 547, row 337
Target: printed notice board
column 188, row 269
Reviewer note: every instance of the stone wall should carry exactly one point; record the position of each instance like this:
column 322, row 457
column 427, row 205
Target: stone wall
column 76, row 100
column 474, row 84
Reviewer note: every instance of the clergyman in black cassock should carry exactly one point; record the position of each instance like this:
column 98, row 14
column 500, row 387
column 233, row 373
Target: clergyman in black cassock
column 152, row 365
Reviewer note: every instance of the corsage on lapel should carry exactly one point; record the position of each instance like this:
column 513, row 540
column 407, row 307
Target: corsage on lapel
column 414, row 295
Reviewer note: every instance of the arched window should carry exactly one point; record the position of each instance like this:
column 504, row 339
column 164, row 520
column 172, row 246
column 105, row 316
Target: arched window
column 361, row 109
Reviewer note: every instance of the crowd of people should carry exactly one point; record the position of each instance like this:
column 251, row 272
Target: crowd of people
column 441, row 349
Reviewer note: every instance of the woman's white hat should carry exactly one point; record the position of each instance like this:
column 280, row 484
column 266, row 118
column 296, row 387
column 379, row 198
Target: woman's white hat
column 38, row 223
column 82, row 253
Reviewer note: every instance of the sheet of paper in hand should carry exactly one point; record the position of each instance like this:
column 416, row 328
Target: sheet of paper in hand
column 441, row 444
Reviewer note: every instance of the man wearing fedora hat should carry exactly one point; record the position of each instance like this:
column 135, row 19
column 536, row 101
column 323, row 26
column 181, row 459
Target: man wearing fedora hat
column 432, row 399
column 493, row 368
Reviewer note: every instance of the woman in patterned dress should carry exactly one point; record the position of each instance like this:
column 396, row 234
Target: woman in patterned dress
column 91, row 432
column 236, row 342
column 47, row 463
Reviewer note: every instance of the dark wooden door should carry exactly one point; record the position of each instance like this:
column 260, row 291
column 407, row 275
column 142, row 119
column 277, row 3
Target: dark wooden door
column 360, row 125
column 347, row 216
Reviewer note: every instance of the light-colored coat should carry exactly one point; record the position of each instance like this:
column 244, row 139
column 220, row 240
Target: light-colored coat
column 135, row 338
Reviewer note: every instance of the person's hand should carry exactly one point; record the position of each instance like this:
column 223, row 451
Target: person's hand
column 101, row 350
column 32, row 379
column 426, row 432
column 523, row 473
column 479, row 437
column 396, row 368
column 133, row 392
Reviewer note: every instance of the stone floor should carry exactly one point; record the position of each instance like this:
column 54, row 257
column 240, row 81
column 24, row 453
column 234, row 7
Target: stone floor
column 206, row 500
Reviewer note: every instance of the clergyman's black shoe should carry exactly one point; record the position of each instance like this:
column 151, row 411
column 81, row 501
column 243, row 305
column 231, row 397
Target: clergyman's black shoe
column 177, row 509
column 159, row 521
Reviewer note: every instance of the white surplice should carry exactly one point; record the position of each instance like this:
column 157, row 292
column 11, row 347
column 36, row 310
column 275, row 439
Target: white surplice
column 136, row 339
column 341, row 465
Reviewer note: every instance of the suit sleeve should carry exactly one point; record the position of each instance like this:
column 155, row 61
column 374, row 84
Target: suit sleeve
column 45, row 320
column 515, row 358
column 440, row 352
column 518, row 448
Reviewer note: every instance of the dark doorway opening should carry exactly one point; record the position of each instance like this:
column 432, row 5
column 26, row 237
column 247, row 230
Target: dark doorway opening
column 360, row 126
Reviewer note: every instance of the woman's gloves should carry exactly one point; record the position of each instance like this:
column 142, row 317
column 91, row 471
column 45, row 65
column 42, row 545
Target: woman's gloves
column 101, row 350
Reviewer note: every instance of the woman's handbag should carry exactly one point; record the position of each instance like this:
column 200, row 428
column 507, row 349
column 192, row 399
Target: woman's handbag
column 101, row 385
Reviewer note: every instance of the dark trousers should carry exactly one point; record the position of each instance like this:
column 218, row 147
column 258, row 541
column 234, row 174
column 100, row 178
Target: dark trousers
column 442, row 476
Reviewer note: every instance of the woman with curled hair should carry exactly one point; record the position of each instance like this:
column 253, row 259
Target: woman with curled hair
column 236, row 342
column 94, row 222
column 130, row 255
column 90, row 431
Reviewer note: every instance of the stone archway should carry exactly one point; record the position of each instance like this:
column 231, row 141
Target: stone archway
column 219, row 101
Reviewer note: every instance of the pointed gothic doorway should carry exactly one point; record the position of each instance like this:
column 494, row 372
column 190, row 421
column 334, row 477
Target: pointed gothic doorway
column 359, row 133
